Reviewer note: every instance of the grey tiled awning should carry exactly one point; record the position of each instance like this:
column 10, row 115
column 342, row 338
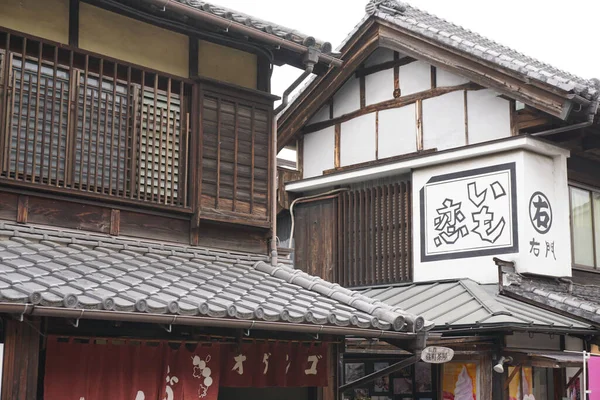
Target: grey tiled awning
column 562, row 295
column 74, row 270
column 465, row 304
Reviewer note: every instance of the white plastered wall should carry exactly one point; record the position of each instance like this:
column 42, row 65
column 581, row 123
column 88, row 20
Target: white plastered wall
column 318, row 152
column 397, row 131
column 444, row 121
column 357, row 140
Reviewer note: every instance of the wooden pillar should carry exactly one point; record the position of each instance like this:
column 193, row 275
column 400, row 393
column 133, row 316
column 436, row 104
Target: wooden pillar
column 331, row 391
column 21, row 359
column 485, row 373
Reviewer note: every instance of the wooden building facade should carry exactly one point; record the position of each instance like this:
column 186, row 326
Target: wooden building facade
column 137, row 188
column 431, row 158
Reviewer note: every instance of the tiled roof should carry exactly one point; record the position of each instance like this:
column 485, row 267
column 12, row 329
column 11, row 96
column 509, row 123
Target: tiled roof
column 459, row 38
column 265, row 26
column 49, row 267
column 582, row 301
column 465, row 304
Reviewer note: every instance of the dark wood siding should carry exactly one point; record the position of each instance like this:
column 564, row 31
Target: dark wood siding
column 375, row 235
column 315, row 238
column 235, row 157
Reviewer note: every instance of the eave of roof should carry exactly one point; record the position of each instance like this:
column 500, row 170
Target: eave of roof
column 55, row 272
column 464, row 43
column 244, row 24
column 465, row 306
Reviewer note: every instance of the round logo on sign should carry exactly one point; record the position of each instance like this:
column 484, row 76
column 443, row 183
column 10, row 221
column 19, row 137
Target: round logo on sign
column 540, row 212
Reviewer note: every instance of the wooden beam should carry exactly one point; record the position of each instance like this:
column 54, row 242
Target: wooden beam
column 74, row 23
column 373, row 163
column 337, row 155
column 419, row 118
column 115, row 222
column 389, row 104
column 433, row 77
column 383, row 66
column 397, row 92
column 466, row 106
column 22, row 209
column 572, row 380
column 516, row 370
column 21, row 359
column 193, row 56
column 363, row 89
column 263, row 72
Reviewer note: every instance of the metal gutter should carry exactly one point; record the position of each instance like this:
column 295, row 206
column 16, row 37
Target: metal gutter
column 564, row 129
column 234, row 26
column 103, row 315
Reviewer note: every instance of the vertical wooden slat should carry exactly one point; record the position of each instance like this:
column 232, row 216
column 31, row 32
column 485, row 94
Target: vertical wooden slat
column 359, row 236
column 23, row 56
column 253, row 129
column 397, row 76
column 8, row 125
column 171, row 162
column 377, row 135
column 235, row 155
column 128, row 167
column 120, row 183
column 115, row 222
column 362, row 85
column 143, row 192
column 385, row 224
column 37, row 113
column 337, row 154
column 98, row 121
column 5, row 66
column 104, row 162
column 153, row 152
column 52, row 120
column 419, row 118
column 72, row 122
column 433, row 77
column 218, row 153
column 184, row 163
column 338, row 267
column 373, row 224
column 355, row 225
column 135, row 164
column 466, row 118
column 22, row 209
column 408, row 231
column 112, row 134
column 402, row 232
column 84, row 118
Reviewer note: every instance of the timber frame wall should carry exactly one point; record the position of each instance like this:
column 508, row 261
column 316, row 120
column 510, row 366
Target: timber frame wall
column 94, row 143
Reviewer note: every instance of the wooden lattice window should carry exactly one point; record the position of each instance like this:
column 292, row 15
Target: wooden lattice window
column 374, row 244
column 101, row 135
column 37, row 122
column 159, row 146
column 235, row 156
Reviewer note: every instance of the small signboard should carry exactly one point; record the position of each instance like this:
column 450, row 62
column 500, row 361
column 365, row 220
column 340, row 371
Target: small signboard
column 437, row 355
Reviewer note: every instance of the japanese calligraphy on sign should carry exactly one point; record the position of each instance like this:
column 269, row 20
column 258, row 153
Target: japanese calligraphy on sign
column 469, row 214
column 437, row 355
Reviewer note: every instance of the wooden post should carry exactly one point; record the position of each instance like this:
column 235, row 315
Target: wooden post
column 331, row 391
column 21, row 359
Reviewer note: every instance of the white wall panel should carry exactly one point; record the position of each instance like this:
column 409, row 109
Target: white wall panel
column 397, row 131
column 444, row 121
column 320, row 116
column 445, row 78
column 415, row 77
column 488, row 116
column 347, row 99
column 319, row 152
column 379, row 56
column 357, row 140
column 379, row 87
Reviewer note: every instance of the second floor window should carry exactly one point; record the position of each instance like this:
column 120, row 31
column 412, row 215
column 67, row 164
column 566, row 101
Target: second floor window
column 79, row 122
column 585, row 227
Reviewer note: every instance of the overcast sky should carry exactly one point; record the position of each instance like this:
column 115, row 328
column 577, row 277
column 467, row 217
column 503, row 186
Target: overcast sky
column 561, row 33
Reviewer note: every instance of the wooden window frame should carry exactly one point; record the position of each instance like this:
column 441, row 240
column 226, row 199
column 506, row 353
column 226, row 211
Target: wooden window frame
column 591, row 190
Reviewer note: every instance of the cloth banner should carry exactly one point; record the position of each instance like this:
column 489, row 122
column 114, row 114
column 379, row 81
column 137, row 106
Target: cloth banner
column 155, row 371
column 594, row 377
column 274, row 364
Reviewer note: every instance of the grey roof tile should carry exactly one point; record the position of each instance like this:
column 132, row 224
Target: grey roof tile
column 431, row 26
column 69, row 269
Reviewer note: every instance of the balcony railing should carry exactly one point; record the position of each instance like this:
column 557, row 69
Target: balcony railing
column 77, row 122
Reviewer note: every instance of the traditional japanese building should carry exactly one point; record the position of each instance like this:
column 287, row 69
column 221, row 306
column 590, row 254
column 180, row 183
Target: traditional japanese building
column 431, row 162
column 138, row 255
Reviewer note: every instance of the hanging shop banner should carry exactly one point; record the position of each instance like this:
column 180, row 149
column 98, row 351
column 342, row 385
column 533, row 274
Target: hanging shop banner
column 104, row 370
column 273, row 364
